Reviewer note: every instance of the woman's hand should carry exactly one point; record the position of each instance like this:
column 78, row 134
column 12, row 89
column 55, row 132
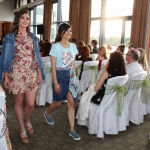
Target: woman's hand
column 57, row 88
column 39, row 76
column 6, row 82
column 39, row 79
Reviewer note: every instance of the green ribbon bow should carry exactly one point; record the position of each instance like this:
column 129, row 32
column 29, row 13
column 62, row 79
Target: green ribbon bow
column 145, row 88
column 94, row 70
column 47, row 69
column 77, row 69
column 120, row 91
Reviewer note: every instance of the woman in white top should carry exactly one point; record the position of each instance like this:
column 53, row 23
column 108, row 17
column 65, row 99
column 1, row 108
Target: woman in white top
column 63, row 73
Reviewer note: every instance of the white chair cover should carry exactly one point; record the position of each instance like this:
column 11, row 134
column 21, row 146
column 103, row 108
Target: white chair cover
column 104, row 63
column 147, row 109
column 93, row 56
column 103, row 118
column 132, row 101
column 78, row 67
column 3, row 145
column 46, row 59
column 45, row 93
column 88, row 75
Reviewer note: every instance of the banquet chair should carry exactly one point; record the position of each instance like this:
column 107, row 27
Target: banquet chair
column 147, row 104
column 45, row 93
column 132, row 100
column 45, row 59
column 93, row 56
column 88, row 76
column 109, row 116
column 104, row 63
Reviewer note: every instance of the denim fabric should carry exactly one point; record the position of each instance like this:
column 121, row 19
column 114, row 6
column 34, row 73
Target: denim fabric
column 6, row 56
column 63, row 77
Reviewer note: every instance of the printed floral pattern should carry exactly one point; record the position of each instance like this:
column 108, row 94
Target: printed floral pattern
column 23, row 74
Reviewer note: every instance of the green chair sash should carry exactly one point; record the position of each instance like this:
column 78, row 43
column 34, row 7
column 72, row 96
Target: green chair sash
column 120, row 91
column 145, row 88
column 77, row 69
column 94, row 72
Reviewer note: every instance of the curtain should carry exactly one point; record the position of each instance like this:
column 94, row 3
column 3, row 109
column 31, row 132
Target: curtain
column 85, row 20
column 139, row 16
column 47, row 19
column 148, row 36
column 80, row 19
column 74, row 18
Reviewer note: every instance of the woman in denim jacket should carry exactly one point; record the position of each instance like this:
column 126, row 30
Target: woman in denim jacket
column 21, row 67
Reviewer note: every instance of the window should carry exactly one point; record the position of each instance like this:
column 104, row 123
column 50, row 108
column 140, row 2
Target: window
column 113, row 30
column 127, row 33
column 95, row 30
column 54, row 13
column 23, row 2
column 96, row 8
column 53, row 32
column 39, row 14
column 60, row 13
column 111, row 21
column 115, row 8
column 65, row 9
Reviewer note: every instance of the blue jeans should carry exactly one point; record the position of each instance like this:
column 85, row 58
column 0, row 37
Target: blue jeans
column 63, row 77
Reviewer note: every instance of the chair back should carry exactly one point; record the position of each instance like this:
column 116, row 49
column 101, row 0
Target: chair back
column 93, row 56
column 134, row 90
column 110, row 99
column 103, row 65
column 46, row 59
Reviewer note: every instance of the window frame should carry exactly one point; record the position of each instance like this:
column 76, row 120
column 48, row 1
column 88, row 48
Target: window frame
column 102, row 19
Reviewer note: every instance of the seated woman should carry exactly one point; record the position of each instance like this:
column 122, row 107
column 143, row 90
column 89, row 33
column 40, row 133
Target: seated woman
column 121, row 48
column 46, row 49
column 41, row 45
column 143, row 59
column 101, row 55
column 115, row 67
column 85, row 56
column 79, row 46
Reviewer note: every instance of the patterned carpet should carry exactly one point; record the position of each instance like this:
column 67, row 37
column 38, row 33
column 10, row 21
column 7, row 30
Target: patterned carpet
column 55, row 137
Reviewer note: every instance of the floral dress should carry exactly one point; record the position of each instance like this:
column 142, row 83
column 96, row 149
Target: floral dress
column 23, row 74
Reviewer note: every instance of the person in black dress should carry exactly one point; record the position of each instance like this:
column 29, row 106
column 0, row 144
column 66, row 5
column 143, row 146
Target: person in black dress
column 115, row 67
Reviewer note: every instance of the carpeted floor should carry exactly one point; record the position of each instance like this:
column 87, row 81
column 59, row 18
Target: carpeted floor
column 55, row 137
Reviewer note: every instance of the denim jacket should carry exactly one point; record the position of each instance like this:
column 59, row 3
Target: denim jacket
column 7, row 54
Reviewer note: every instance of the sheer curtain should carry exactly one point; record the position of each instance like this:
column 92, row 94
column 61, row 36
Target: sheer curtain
column 47, row 19
column 139, row 17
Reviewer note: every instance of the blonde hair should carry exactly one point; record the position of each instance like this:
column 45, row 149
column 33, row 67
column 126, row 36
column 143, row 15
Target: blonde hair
column 143, row 59
column 103, row 49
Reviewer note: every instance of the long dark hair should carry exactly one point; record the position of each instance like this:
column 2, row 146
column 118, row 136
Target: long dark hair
column 61, row 31
column 16, row 21
column 116, row 62
column 85, row 53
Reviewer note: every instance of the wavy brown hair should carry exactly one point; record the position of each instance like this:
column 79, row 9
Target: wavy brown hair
column 80, row 45
column 85, row 53
column 116, row 62
column 16, row 21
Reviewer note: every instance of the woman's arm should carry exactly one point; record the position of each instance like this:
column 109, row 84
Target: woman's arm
column 53, row 64
column 39, row 76
column 6, row 80
column 74, row 64
column 101, row 80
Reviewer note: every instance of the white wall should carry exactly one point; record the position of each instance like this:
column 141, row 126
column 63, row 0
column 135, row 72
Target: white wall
column 6, row 8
